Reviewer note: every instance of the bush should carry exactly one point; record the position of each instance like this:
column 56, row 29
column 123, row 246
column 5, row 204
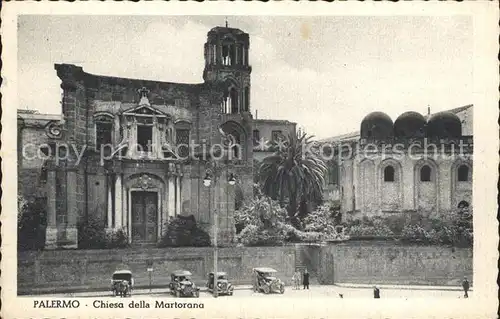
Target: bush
column 369, row 227
column 453, row 229
column 93, row 235
column 183, row 231
column 116, row 238
column 31, row 224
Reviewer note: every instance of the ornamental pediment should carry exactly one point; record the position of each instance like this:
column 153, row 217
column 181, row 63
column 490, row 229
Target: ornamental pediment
column 145, row 110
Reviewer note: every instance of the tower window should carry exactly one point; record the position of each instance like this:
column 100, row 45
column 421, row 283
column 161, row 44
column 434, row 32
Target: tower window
column 389, row 174
column 425, row 173
column 144, row 138
column 228, row 54
column 463, row 173
column 234, row 100
column 247, row 99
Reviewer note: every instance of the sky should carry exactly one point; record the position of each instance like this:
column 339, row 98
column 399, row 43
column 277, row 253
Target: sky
column 324, row 73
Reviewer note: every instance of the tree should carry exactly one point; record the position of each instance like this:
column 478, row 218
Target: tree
column 261, row 223
column 294, row 174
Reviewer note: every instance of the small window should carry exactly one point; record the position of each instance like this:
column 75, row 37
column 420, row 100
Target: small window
column 144, row 138
column 463, row 173
column 425, row 173
column 389, row 174
column 256, row 136
column 103, row 131
column 182, row 142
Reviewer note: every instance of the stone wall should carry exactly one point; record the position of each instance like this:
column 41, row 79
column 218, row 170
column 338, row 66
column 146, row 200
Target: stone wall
column 390, row 263
column 92, row 269
column 350, row 262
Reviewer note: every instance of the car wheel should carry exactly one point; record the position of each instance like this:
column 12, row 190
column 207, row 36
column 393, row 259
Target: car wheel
column 197, row 294
column 267, row 290
column 282, row 290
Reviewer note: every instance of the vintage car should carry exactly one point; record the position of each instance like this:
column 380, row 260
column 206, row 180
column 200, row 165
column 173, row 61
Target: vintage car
column 181, row 284
column 265, row 280
column 224, row 287
column 122, row 283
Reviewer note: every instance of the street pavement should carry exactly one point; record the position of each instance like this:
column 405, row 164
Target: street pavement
column 334, row 291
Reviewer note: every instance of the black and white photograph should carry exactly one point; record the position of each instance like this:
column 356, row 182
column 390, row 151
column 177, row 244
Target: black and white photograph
column 167, row 162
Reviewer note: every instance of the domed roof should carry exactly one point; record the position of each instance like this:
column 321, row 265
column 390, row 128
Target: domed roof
column 410, row 124
column 377, row 125
column 444, row 124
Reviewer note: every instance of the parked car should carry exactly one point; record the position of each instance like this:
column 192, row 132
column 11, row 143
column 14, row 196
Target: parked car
column 265, row 280
column 122, row 283
column 224, row 287
column 181, row 284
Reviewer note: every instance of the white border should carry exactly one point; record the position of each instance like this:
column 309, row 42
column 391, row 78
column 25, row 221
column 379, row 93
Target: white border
column 484, row 302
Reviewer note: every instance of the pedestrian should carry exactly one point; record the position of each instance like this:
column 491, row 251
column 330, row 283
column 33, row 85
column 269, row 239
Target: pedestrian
column 296, row 280
column 305, row 280
column 376, row 292
column 466, row 286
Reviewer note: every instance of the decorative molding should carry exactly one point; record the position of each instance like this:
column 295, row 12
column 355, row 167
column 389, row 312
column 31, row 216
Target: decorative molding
column 54, row 130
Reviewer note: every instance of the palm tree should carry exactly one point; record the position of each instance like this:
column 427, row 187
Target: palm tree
column 294, row 173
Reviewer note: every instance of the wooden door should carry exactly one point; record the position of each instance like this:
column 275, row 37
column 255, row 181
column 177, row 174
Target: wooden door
column 144, row 216
column 151, row 220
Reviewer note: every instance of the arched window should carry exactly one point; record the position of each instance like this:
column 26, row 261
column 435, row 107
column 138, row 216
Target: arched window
column 463, row 173
column 425, row 173
column 389, row 174
column 234, row 100
column 103, row 131
column 247, row 99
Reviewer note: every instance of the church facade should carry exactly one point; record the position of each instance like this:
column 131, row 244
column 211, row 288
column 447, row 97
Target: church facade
column 134, row 153
column 416, row 164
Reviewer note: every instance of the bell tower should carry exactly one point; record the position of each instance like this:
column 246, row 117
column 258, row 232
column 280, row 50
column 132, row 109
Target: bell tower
column 226, row 65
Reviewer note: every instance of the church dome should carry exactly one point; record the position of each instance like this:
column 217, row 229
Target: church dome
column 410, row 124
column 444, row 124
column 377, row 125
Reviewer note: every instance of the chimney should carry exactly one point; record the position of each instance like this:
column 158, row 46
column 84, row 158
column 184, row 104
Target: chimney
column 255, row 114
column 428, row 110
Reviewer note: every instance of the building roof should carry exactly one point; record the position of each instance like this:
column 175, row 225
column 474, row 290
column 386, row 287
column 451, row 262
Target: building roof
column 356, row 134
column 256, row 121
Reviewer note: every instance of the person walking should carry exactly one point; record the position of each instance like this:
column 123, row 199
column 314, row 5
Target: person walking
column 466, row 286
column 305, row 280
column 376, row 292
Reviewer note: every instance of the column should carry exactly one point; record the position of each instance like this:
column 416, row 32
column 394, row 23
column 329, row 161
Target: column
column 51, row 231
column 72, row 190
column 178, row 196
column 171, row 196
column 118, row 202
column 110, row 205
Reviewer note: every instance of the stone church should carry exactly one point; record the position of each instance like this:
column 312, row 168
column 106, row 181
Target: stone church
column 416, row 164
column 134, row 153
